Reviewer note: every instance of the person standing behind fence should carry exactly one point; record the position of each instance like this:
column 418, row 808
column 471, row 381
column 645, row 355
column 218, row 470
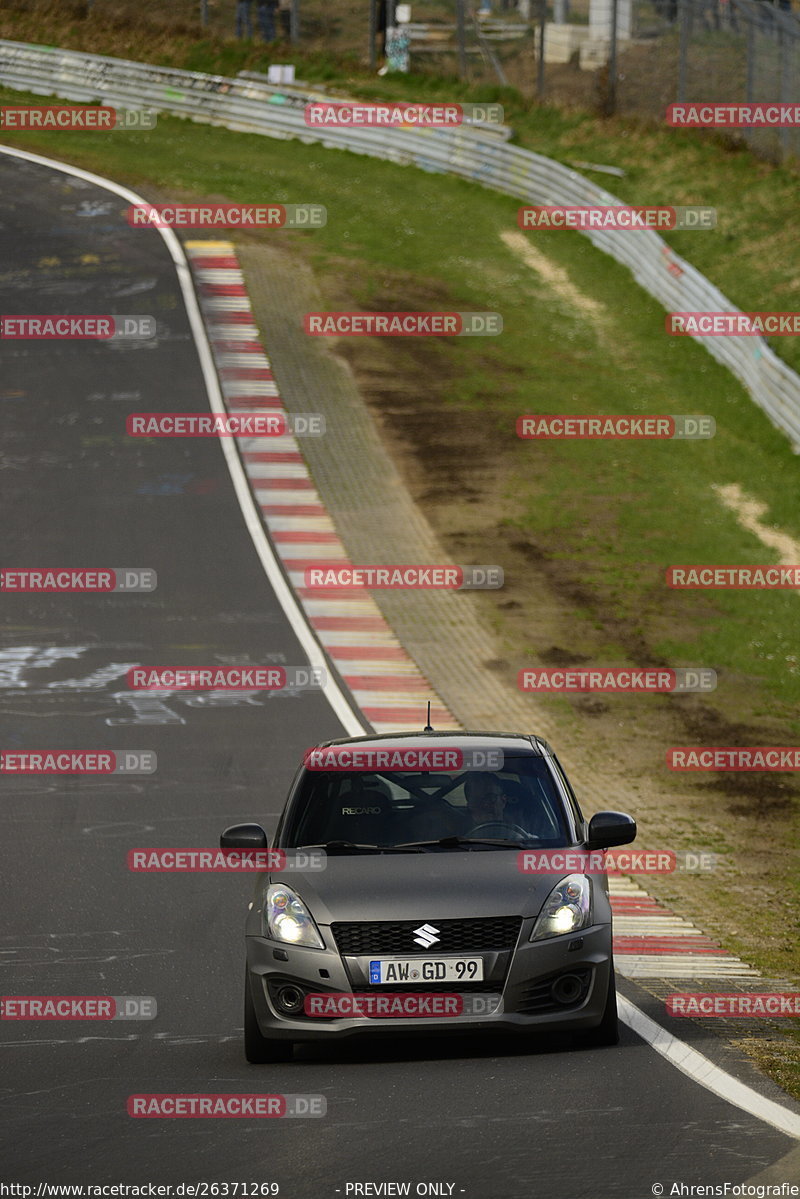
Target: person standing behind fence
column 266, row 19
column 244, row 21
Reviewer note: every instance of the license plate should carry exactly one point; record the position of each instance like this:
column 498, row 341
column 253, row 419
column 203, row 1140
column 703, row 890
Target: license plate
column 426, row 970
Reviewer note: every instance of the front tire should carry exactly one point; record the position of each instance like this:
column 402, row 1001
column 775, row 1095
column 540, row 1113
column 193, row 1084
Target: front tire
column 607, row 1031
column 258, row 1049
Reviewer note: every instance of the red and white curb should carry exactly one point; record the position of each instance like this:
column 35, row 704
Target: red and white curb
column 384, row 681
column 386, row 684
column 652, row 942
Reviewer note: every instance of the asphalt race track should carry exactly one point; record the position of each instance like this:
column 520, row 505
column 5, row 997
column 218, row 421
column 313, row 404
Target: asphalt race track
column 496, row 1121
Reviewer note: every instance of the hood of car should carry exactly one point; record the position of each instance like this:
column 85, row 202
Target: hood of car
column 455, row 885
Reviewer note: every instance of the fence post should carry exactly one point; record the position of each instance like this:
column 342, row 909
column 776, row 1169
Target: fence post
column 783, row 83
column 203, row 13
column 294, row 22
column 461, row 35
column 684, row 34
column 750, row 60
column 611, row 95
column 540, row 60
column 750, row 67
column 373, row 33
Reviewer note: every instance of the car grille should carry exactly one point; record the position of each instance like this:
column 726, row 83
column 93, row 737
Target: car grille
column 537, row 1000
column 455, row 936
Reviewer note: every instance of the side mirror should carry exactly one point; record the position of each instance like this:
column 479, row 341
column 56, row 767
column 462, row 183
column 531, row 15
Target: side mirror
column 610, row 828
column 244, row 836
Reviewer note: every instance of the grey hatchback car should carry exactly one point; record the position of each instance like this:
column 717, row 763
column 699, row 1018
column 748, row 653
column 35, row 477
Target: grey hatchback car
column 430, row 883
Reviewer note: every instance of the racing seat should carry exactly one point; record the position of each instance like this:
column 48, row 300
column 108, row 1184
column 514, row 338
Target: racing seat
column 366, row 818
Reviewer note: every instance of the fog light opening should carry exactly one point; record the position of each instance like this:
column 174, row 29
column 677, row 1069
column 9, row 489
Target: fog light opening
column 290, row 1000
column 568, row 988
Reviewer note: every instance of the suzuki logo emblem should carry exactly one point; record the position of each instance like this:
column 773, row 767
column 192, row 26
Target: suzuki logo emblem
column 426, row 935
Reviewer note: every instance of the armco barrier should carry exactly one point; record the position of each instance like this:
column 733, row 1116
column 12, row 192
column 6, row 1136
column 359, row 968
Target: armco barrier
column 249, row 105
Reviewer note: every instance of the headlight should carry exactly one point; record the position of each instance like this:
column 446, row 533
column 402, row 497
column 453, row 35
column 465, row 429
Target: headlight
column 287, row 919
column 568, row 908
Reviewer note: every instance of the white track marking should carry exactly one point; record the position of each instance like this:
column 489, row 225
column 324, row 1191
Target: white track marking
column 704, row 1072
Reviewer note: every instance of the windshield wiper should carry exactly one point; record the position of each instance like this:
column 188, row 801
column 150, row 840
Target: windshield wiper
column 349, row 846
column 457, row 842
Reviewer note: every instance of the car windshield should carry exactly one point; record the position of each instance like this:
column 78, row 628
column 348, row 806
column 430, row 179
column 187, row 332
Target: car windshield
column 518, row 804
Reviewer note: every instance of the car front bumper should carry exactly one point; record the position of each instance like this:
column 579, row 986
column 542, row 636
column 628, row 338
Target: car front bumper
column 532, row 967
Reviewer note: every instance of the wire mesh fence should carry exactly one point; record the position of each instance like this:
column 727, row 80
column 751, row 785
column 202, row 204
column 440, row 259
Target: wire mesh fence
column 713, row 51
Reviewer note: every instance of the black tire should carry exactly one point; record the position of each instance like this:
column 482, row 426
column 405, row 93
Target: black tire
column 258, row 1049
column 607, row 1031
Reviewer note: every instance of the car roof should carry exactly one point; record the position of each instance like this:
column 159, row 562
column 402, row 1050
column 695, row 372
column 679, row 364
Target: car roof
column 511, row 743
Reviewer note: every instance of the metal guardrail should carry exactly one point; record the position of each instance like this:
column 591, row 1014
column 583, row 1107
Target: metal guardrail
column 256, row 107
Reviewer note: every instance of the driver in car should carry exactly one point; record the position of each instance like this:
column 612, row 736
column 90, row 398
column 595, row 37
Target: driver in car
column 486, row 803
